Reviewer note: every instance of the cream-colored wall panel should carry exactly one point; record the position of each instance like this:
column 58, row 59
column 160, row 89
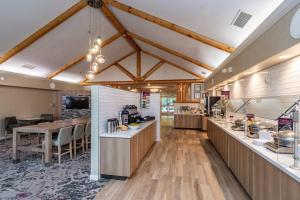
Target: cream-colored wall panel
column 24, row 102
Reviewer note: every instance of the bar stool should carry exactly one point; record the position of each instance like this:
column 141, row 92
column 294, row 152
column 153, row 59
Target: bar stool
column 78, row 134
column 63, row 138
column 87, row 135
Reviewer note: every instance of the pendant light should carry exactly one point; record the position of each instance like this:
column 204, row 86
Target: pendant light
column 94, row 55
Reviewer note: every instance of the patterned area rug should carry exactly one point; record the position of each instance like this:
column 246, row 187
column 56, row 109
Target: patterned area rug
column 29, row 179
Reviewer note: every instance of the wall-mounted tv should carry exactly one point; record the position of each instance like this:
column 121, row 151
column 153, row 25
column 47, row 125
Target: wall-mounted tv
column 77, row 102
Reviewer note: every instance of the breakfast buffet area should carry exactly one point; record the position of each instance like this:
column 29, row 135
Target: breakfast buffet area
column 254, row 122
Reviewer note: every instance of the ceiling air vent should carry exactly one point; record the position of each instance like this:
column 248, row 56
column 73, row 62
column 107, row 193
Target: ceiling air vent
column 241, row 19
column 27, row 66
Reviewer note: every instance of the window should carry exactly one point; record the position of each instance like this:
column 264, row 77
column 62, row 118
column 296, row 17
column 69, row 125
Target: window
column 167, row 105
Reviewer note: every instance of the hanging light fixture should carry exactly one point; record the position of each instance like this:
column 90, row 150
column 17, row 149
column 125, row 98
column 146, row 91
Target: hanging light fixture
column 94, row 55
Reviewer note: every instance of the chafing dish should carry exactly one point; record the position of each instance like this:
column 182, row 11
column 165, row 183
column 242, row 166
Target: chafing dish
column 239, row 125
column 284, row 138
column 253, row 129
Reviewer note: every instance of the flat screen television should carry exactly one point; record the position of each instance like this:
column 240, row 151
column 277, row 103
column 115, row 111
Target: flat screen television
column 77, row 102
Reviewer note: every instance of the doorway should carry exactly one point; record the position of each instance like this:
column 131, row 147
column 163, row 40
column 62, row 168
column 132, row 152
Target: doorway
column 167, row 105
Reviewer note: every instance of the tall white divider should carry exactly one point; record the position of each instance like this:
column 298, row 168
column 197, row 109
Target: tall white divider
column 95, row 144
column 106, row 103
column 154, row 110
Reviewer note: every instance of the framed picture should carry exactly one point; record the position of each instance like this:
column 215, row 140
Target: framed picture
column 197, row 88
column 197, row 95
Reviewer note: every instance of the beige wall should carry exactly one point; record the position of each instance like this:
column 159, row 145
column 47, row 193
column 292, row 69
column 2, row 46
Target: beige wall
column 24, row 102
column 272, row 42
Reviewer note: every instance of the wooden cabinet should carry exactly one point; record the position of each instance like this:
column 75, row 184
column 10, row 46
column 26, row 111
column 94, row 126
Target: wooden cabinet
column 245, row 160
column 261, row 179
column 266, row 179
column 122, row 156
column 188, row 121
column 290, row 189
column 134, row 153
column 219, row 139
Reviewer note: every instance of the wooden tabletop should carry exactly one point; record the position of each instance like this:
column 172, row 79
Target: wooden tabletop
column 51, row 126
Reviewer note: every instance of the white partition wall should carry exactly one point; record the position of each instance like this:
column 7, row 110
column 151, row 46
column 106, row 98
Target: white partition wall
column 106, row 103
column 154, row 110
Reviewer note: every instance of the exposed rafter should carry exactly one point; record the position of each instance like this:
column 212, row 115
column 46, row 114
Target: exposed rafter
column 44, row 30
column 175, row 53
column 117, row 24
column 81, row 57
column 113, row 63
column 171, row 26
column 173, row 64
column 153, row 69
column 142, row 82
column 125, row 71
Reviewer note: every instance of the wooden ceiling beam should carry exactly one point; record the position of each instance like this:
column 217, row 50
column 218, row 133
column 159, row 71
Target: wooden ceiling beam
column 174, row 64
column 153, row 69
column 44, row 30
column 138, row 64
column 142, row 82
column 171, row 26
column 81, row 57
column 175, row 53
column 112, row 64
column 125, row 71
column 117, row 24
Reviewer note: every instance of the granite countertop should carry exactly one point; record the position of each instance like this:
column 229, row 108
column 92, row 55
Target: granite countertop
column 129, row 133
column 281, row 161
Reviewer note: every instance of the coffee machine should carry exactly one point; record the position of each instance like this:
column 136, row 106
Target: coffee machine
column 130, row 114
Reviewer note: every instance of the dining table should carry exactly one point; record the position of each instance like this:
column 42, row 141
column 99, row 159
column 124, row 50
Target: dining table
column 29, row 120
column 46, row 129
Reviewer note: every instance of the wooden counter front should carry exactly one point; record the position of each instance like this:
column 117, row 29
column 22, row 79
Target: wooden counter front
column 261, row 179
column 193, row 121
column 122, row 156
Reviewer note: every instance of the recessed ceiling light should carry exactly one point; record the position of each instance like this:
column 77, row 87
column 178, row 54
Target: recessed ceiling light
column 284, row 56
column 2, row 78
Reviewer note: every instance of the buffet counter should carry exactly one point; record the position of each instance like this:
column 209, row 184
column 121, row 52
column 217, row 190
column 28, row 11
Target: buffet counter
column 122, row 152
column 129, row 133
column 188, row 120
column 263, row 173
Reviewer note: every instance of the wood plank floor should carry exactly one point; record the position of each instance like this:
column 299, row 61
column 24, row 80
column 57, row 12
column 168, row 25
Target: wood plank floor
column 184, row 165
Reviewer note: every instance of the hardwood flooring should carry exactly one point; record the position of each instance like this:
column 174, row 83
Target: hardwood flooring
column 184, row 165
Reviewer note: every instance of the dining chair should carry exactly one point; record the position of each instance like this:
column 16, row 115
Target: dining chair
column 87, row 134
column 64, row 137
column 9, row 124
column 78, row 135
column 47, row 117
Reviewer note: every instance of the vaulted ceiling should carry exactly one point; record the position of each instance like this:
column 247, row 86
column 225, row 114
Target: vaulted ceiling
column 143, row 40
